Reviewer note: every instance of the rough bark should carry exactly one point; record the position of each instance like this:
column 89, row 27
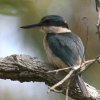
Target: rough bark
column 24, row 68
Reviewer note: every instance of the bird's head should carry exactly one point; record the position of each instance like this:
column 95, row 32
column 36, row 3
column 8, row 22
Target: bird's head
column 50, row 24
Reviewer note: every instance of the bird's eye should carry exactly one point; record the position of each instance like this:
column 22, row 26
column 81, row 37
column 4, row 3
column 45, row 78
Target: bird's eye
column 46, row 22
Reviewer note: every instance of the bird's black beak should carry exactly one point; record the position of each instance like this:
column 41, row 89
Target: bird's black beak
column 31, row 26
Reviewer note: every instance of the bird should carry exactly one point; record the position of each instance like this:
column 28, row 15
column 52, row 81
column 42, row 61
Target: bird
column 63, row 47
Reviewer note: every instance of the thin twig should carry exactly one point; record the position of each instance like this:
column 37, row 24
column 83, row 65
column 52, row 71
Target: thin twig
column 68, row 68
column 83, row 66
column 67, row 89
column 86, row 64
column 62, row 81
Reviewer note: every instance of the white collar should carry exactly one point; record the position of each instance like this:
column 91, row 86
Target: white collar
column 55, row 29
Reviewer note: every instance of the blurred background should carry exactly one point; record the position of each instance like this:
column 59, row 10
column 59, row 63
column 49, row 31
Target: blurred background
column 81, row 17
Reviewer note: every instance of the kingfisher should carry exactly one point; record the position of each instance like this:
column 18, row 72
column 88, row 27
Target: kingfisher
column 62, row 46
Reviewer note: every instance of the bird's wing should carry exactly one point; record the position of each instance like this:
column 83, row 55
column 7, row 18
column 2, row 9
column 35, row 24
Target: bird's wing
column 68, row 47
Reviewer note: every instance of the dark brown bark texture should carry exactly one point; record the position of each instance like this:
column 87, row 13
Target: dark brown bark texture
column 25, row 68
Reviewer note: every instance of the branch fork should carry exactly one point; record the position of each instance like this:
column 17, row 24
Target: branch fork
column 72, row 71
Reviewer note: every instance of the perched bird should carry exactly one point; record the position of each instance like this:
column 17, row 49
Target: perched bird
column 63, row 48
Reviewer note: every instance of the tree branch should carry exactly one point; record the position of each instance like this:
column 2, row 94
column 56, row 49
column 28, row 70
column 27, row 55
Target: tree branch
column 24, row 68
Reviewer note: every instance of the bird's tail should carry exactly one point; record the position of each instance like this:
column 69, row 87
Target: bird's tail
column 82, row 86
